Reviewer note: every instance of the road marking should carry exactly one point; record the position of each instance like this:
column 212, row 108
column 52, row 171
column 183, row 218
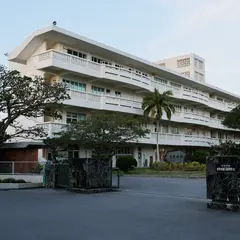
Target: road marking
column 165, row 195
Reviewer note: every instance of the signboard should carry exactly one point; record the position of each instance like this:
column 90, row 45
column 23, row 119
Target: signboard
column 173, row 156
column 226, row 168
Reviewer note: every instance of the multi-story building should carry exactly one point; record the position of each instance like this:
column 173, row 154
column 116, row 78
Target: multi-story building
column 190, row 65
column 102, row 77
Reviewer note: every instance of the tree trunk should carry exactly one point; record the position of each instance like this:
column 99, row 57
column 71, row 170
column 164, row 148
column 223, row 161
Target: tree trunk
column 158, row 130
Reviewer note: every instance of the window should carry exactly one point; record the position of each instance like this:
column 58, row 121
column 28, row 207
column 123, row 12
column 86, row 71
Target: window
column 175, row 85
column 177, row 107
column 219, row 99
column 73, row 151
column 101, row 61
column 174, row 130
column 97, row 90
column 76, row 53
column 198, row 63
column 118, row 66
column 108, row 91
column 199, row 76
column 141, row 73
column 124, row 150
column 164, row 129
column 74, row 85
column 189, row 131
column 160, row 80
column 73, row 117
column 117, row 94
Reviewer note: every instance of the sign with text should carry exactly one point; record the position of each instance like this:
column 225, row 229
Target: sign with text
column 173, row 156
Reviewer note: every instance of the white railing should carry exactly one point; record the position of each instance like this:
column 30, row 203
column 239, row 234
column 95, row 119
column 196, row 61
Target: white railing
column 126, row 76
column 51, row 128
column 164, row 138
column 114, row 103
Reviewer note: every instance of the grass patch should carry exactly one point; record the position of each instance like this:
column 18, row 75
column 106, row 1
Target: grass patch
column 153, row 172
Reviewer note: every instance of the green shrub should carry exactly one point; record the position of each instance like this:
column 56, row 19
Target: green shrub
column 20, row 181
column 177, row 166
column 125, row 163
column 12, row 180
column 199, row 156
column 151, row 163
column 193, row 166
column 161, row 166
column 37, row 168
column 9, row 180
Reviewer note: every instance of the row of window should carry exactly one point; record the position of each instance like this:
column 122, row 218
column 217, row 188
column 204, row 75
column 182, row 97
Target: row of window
column 82, row 87
column 74, row 85
column 76, row 53
column 167, row 129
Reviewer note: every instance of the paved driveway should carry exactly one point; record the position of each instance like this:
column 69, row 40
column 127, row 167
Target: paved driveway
column 147, row 208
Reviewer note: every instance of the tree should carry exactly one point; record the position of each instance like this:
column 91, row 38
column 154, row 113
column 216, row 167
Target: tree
column 104, row 132
column 225, row 148
column 22, row 96
column 154, row 104
column 232, row 119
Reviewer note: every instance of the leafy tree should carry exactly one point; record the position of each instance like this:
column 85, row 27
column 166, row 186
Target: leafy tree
column 200, row 156
column 225, row 148
column 104, row 132
column 22, row 96
column 154, row 104
column 232, row 119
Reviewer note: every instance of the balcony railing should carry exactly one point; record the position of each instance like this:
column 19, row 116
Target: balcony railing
column 113, row 103
column 76, row 64
column 164, row 138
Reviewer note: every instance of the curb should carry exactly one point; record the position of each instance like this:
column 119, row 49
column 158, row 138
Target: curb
column 157, row 176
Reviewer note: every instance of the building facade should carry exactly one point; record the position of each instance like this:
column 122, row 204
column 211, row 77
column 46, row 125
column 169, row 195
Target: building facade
column 100, row 77
column 191, row 66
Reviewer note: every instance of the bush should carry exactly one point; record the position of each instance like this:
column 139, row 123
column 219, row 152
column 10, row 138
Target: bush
column 199, row 156
column 9, row 180
column 12, row 180
column 178, row 166
column 161, row 166
column 125, row 163
column 37, row 168
column 193, row 166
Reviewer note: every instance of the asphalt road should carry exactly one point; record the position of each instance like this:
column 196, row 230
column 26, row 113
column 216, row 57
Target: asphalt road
column 146, row 209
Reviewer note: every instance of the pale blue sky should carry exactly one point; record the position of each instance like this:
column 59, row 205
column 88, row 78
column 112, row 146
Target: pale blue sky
column 151, row 29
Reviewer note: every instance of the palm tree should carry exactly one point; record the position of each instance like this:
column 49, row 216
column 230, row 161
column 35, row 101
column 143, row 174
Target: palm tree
column 154, row 104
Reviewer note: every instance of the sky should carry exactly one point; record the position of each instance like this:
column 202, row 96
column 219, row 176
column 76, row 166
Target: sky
column 150, row 29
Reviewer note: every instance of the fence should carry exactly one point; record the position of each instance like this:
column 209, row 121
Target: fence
column 81, row 174
column 20, row 167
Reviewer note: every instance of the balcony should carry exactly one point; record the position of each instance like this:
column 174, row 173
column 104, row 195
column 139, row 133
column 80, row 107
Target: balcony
column 164, row 138
column 53, row 61
column 113, row 103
